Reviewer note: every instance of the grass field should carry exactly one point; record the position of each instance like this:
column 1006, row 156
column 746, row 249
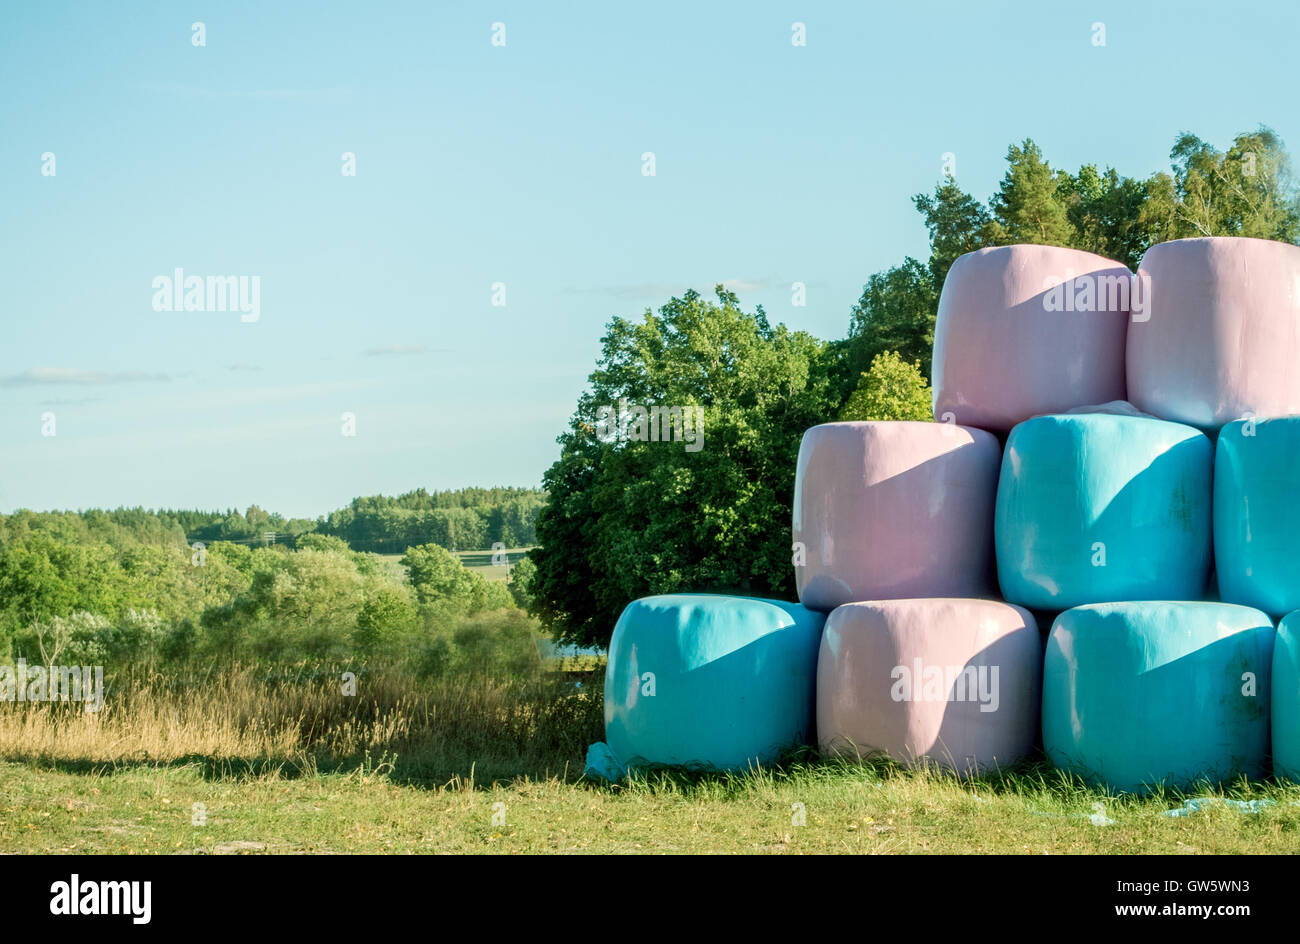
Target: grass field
column 142, row 808
column 281, row 763
column 480, row 561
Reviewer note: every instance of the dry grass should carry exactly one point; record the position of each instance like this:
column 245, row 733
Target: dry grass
column 283, row 761
column 245, row 719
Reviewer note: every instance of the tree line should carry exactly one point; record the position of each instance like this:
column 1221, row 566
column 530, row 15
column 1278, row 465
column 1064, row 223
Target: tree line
column 466, row 519
column 1246, row 190
column 463, row 519
column 110, row 587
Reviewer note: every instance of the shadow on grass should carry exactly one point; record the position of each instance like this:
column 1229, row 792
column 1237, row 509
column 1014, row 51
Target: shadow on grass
column 1033, row 779
column 209, row 768
column 420, row 773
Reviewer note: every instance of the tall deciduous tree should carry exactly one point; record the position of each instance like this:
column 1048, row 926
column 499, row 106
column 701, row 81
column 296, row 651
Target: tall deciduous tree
column 895, row 313
column 1105, row 211
column 630, row 518
column 1246, row 191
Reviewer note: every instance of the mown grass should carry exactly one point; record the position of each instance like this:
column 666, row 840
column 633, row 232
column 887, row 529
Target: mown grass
column 283, row 762
column 846, row 808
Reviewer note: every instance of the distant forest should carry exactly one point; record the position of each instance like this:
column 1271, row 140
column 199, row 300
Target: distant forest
column 458, row 520
column 136, row 585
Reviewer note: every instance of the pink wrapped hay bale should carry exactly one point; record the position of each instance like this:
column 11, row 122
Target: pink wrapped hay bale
column 884, row 510
column 954, row 682
column 1222, row 339
column 1024, row 330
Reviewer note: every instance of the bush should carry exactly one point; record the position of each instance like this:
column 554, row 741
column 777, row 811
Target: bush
column 497, row 644
column 891, row 390
column 444, row 586
column 438, row 575
column 139, row 636
column 521, row 576
column 180, row 643
column 434, row 657
column 322, row 542
column 500, row 644
column 81, row 638
column 386, row 615
column 495, row 595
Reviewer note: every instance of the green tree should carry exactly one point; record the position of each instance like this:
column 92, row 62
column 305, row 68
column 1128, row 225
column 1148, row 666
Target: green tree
column 312, row 602
column 493, row 595
column 1027, row 207
column 1105, row 212
column 1248, row 190
column 957, row 223
column 520, row 581
column 45, row 577
column 436, row 573
column 387, row 613
column 322, row 542
column 895, row 313
column 891, row 390
column 438, row 577
column 628, row 518
column 300, row 603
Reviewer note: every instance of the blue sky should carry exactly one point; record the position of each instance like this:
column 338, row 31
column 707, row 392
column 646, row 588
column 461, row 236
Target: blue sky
column 518, row 164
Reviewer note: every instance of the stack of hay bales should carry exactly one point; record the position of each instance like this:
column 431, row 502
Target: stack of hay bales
column 1106, row 443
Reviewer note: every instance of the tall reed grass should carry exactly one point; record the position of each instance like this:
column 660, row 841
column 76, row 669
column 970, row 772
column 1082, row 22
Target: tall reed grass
column 247, row 720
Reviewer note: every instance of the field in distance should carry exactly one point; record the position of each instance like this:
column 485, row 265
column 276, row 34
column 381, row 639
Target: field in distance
column 474, row 560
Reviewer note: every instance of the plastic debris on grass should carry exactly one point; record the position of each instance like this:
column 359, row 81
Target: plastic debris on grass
column 1202, row 803
column 602, row 764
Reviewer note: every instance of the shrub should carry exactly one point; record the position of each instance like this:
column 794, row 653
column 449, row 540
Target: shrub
column 521, row 576
column 891, row 390
column 322, row 542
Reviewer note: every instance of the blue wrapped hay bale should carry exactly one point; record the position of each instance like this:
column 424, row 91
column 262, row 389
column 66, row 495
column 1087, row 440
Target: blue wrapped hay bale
column 1095, row 508
column 1146, row 693
column 1286, row 698
column 710, row 681
column 1257, row 514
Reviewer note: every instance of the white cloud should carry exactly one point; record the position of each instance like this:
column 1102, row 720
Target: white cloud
column 740, row 286
column 395, row 349
column 75, row 375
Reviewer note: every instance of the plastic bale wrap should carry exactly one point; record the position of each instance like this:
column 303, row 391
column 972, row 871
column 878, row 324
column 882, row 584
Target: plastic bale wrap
column 954, row 682
column 1024, row 330
column 1148, row 693
column 707, row 681
column 1286, row 698
column 887, row 510
column 1222, row 338
column 1257, row 514
column 1093, row 508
